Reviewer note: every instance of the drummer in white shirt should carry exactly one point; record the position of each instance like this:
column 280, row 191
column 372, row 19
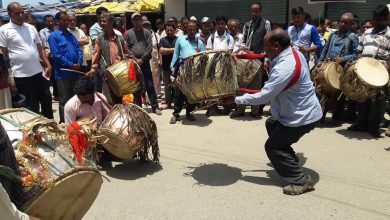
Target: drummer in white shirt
column 220, row 40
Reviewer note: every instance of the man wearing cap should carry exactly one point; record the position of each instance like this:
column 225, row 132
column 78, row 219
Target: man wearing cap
column 139, row 41
column 204, row 34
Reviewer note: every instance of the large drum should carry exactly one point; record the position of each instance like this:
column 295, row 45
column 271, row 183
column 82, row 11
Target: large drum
column 55, row 184
column 118, row 78
column 326, row 76
column 130, row 133
column 247, row 69
column 364, row 79
column 208, row 76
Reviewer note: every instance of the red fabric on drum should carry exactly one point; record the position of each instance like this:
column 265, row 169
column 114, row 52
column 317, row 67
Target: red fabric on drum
column 77, row 140
column 132, row 75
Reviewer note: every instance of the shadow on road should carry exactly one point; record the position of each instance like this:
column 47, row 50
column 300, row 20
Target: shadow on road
column 356, row 135
column 132, row 170
column 201, row 120
column 247, row 117
column 217, row 174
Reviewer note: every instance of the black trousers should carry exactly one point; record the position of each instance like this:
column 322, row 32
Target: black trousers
column 279, row 150
column 179, row 100
column 36, row 89
column 148, row 80
column 65, row 92
column 166, row 75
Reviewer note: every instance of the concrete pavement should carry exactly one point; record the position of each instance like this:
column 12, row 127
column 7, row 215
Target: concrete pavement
column 216, row 168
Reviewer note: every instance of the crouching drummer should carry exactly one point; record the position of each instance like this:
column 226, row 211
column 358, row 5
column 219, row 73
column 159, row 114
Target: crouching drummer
column 342, row 49
column 86, row 103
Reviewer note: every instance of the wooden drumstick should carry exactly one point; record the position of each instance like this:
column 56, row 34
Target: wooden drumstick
column 70, row 70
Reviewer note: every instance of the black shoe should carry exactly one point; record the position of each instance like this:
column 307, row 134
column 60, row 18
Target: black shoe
column 210, row 112
column 254, row 115
column 174, row 119
column 190, row 117
column 357, row 127
column 293, row 189
column 375, row 133
column 236, row 114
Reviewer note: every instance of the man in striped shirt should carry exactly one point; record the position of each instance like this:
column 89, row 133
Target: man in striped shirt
column 375, row 43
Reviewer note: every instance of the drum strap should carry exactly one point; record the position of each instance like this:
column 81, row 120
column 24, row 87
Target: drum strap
column 293, row 81
column 297, row 72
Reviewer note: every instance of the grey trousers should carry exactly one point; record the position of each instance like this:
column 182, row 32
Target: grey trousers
column 279, row 150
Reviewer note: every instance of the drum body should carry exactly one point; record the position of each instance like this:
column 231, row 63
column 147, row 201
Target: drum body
column 208, row 76
column 326, row 77
column 130, row 132
column 56, row 186
column 364, row 79
column 118, row 79
column 247, row 70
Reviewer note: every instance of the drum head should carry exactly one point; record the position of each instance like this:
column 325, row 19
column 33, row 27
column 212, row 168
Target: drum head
column 116, row 145
column 332, row 74
column 69, row 198
column 372, row 72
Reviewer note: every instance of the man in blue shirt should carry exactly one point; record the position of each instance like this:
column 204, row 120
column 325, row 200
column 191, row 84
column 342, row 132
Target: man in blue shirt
column 67, row 54
column 295, row 109
column 303, row 35
column 185, row 46
column 341, row 48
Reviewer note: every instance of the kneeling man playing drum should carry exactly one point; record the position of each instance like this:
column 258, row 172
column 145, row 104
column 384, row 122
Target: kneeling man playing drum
column 86, row 103
column 295, row 109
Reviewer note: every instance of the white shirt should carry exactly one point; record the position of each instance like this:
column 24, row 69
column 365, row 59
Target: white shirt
column 78, row 34
column 7, row 208
column 238, row 42
column 220, row 42
column 21, row 42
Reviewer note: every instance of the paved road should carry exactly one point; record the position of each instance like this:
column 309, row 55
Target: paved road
column 217, row 169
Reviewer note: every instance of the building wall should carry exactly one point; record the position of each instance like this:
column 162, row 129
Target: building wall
column 314, row 10
column 175, row 8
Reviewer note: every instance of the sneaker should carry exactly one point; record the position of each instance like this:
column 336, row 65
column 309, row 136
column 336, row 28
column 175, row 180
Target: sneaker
column 190, row 117
column 157, row 111
column 236, row 114
column 174, row 119
column 357, row 127
column 293, row 189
